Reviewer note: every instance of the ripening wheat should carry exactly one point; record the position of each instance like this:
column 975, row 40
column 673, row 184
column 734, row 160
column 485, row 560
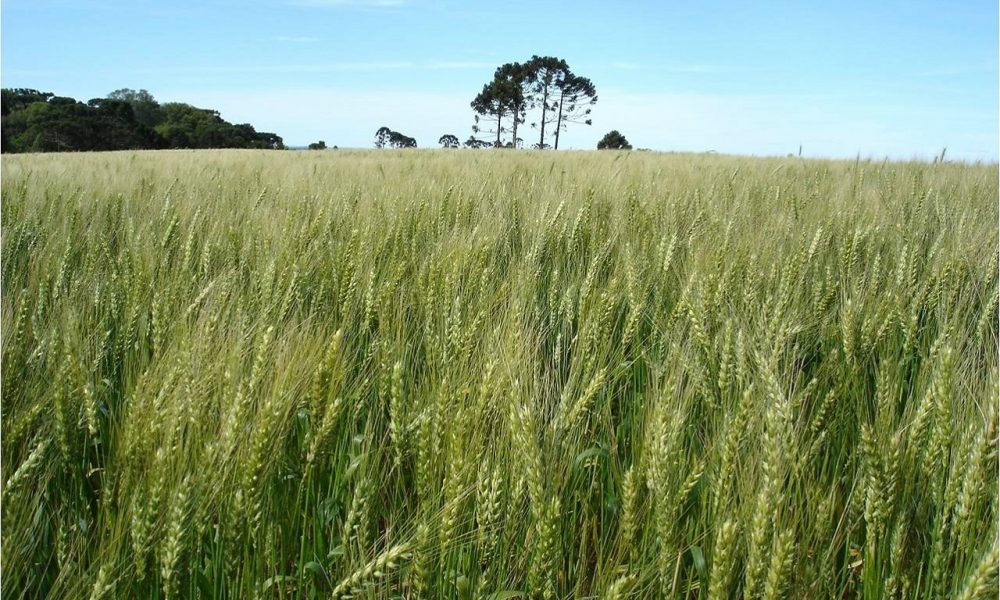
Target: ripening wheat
column 459, row 374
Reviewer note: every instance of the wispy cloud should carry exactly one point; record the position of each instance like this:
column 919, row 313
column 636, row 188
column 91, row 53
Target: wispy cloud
column 348, row 3
column 435, row 65
column 296, row 39
column 698, row 68
column 626, row 66
column 959, row 69
column 334, row 67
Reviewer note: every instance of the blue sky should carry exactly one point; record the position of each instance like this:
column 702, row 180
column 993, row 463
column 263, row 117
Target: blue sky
column 885, row 78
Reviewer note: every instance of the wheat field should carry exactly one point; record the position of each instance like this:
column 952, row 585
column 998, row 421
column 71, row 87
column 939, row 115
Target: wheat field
column 495, row 375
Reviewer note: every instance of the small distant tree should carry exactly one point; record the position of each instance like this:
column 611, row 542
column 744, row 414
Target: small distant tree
column 613, row 140
column 387, row 137
column 448, row 141
column 472, row 142
column 320, row 145
column 271, row 141
column 398, row 140
column 382, row 137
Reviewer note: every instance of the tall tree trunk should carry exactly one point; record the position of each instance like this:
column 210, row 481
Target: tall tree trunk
column 499, row 118
column 513, row 135
column 559, row 121
column 545, row 106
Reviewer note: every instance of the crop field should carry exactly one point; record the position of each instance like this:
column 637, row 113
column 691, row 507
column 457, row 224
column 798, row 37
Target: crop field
column 495, row 375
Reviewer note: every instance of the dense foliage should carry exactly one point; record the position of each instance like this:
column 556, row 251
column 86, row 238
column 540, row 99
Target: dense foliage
column 544, row 84
column 449, row 141
column 36, row 121
column 385, row 137
column 487, row 375
column 613, row 140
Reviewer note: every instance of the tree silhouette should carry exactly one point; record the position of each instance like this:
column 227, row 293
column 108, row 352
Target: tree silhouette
column 546, row 72
column 613, row 140
column 387, row 137
column 513, row 78
column 448, row 141
column 576, row 96
column 497, row 100
column 472, row 142
column 382, row 137
column 398, row 140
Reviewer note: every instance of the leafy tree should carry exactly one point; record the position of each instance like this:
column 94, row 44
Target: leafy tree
column 493, row 104
column 186, row 126
column 271, row 141
column 576, row 96
column 115, row 127
column 448, row 141
column 144, row 106
column 515, row 78
column 387, row 137
column 505, row 96
column 546, row 74
column 398, row 140
column 472, row 142
column 58, row 125
column 131, row 96
column 19, row 98
column 382, row 137
column 613, row 140
column 320, row 145
column 547, row 83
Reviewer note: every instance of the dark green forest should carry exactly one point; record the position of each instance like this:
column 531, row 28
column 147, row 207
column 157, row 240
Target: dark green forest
column 126, row 119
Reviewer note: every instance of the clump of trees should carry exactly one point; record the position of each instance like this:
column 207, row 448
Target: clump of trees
column 393, row 139
column 474, row 143
column 126, row 119
column 544, row 85
column 320, row 145
column 613, row 140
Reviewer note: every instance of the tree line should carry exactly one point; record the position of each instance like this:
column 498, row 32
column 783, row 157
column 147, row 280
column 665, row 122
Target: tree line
column 542, row 93
column 34, row 121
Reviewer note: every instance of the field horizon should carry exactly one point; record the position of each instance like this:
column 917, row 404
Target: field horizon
column 870, row 159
